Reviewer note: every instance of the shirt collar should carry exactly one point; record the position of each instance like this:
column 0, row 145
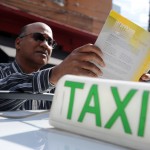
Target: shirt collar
column 16, row 67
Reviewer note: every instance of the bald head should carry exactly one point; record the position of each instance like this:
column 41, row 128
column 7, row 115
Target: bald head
column 33, row 27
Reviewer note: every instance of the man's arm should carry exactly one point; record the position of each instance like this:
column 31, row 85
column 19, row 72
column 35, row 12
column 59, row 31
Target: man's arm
column 35, row 83
column 82, row 61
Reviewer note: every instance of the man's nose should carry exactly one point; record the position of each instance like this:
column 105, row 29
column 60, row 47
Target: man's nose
column 44, row 43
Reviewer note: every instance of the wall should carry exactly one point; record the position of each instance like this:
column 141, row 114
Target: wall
column 83, row 14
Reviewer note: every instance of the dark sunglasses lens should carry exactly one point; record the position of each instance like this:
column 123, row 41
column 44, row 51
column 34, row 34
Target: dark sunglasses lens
column 38, row 37
column 50, row 41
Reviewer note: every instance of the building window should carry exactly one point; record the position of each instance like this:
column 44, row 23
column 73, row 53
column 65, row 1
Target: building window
column 59, row 2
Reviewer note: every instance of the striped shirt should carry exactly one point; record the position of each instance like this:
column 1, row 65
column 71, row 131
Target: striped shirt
column 12, row 78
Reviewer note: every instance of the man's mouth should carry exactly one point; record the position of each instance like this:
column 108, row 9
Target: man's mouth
column 44, row 53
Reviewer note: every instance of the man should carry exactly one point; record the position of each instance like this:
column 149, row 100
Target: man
column 33, row 50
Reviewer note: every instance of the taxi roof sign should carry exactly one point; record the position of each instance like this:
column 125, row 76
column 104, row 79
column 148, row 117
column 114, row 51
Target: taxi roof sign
column 110, row 110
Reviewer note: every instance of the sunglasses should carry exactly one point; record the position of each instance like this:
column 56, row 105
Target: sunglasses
column 40, row 37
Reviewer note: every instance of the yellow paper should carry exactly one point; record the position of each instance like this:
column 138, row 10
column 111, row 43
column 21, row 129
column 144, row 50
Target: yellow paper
column 126, row 48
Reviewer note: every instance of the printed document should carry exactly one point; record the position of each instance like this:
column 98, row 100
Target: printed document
column 126, row 48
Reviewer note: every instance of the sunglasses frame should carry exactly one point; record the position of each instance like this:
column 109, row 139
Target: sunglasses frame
column 37, row 36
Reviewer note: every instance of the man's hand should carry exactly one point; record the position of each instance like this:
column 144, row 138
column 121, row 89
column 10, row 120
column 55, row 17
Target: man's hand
column 145, row 78
column 82, row 61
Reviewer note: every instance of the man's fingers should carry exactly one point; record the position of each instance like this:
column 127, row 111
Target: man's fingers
column 145, row 77
column 90, row 48
column 89, row 53
column 89, row 66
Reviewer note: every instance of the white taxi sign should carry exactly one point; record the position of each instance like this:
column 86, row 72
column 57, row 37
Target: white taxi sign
column 109, row 110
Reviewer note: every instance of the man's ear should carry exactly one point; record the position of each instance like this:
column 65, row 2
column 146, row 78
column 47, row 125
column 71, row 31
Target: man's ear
column 17, row 43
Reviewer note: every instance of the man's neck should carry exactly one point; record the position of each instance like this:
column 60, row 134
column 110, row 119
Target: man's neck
column 28, row 68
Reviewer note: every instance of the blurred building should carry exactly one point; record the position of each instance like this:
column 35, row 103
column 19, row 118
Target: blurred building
column 74, row 22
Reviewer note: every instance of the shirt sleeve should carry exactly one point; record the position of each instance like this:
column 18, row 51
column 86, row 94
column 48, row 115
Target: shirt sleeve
column 37, row 82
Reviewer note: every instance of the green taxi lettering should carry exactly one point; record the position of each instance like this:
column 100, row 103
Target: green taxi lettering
column 119, row 113
column 93, row 95
column 121, row 104
column 143, row 114
column 73, row 86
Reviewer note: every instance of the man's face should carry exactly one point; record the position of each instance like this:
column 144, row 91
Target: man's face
column 34, row 48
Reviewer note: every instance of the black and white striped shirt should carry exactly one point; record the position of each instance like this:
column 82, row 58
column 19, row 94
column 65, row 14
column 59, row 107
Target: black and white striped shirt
column 12, row 78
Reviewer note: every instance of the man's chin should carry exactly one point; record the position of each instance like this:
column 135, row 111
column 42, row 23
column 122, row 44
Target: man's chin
column 41, row 62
